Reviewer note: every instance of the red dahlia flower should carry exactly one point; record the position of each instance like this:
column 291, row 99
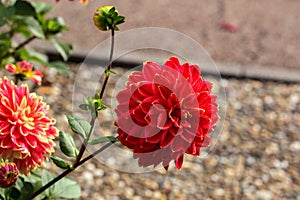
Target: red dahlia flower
column 8, row 174
column 165, row 112
column 26, row 130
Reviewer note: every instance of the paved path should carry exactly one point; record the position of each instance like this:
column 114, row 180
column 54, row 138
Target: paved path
column 268, row 30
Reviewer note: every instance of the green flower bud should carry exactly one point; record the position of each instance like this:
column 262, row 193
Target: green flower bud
column 107, row 16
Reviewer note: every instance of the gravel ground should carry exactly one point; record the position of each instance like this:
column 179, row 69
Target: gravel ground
column 255, row 157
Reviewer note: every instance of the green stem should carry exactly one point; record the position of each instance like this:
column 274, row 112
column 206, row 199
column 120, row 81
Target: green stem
column 79, row 161
column 18, row 47
column 85, row 142
column 67, row 171
column 110, row 60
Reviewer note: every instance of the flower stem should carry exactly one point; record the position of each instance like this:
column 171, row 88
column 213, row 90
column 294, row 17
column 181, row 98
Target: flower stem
column 69, row 170
column 110, row 60
column 85, row 142
column 18, row 47
column 79, row 161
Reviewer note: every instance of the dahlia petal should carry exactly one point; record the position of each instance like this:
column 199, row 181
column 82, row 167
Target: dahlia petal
column 179, row 161
column 193, row 150
column 163, row 81
column 155, row 138
column 150, row 69
column 187, row 137
column 173, row 62
column 144, row 90
column 36, row 76
column 6, row 143
column 161, row 120
column 166, row 167
column 174, row 119
column 11, row 68
column 166, row 139
column 150, row 131
column 178, row 145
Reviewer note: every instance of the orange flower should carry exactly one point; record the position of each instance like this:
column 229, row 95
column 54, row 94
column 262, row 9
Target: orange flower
column 26, row 130
column 25, row 69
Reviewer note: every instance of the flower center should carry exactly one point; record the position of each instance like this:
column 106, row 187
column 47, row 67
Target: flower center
column 10, row 177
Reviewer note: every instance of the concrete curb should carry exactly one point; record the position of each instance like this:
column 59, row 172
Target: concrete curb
column 272, row 73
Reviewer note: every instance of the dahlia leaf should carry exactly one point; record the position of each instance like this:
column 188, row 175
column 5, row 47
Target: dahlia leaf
column 24, row 8
column 60, row 67
column 108, row 72
column 63, row 49
column 84, row 106
column 102, row 140
column 34, row 26
column 66, row 188
column 79, row 126
column 47, row 177
column 26, row 191
column 67, row 144
column 41, row 8
column 59, row 162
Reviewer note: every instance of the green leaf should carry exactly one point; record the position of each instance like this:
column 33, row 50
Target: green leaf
column 60, row 67
column 2, row 15
column 24, row 8
column 63, row 49
column 102, row 140
column 34, row 26
column 84, row 106
column 67, row 144
column 26, row 191
column 6, row 13
column 79, row 126
column 2, row 193
column 107, row 72
column 119, row 20
column 41, row 8
column 47, row 177
column 66, row 188
column 30, row 55
column 59, row 162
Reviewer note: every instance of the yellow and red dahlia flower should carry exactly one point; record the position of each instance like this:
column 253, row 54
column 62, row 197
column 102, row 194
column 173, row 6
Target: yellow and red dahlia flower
column 26, row 130
column 26, row 70
column 166, row 112
column 8, row 174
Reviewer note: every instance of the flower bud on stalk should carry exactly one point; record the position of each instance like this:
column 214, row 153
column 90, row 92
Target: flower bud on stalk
column 8, row 174
column 106, row 16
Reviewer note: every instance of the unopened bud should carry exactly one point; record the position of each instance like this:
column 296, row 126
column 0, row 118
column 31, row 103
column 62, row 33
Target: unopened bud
column 8, row 174
column 106, row 17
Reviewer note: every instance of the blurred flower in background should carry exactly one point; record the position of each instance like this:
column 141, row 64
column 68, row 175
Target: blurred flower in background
column 24, row 69
column 81, row 1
